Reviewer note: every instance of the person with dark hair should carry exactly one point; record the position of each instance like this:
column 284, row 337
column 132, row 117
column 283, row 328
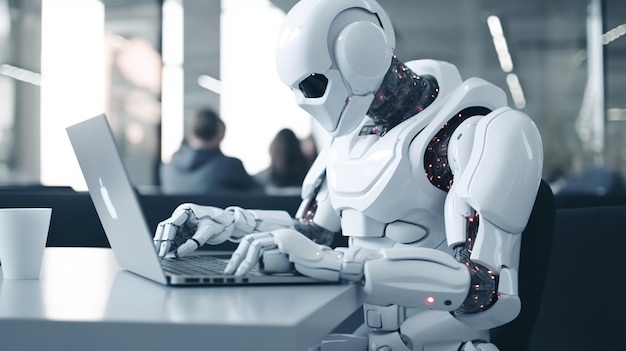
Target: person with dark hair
column 200, row 167
column 309, row 148
column 288, row 164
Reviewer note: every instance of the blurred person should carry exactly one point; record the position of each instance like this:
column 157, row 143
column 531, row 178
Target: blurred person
column 309, row 148
column 200, row 167
column 288, row 164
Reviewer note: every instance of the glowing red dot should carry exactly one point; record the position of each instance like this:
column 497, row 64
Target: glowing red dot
column 429, row 301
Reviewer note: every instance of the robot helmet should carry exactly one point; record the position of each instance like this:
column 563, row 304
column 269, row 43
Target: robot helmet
column 334, row 56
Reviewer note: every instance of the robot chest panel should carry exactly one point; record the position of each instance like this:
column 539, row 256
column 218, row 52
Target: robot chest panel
column 356, row 169
column 376, row 177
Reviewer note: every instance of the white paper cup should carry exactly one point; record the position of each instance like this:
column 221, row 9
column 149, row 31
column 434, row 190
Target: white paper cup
column 23, row 235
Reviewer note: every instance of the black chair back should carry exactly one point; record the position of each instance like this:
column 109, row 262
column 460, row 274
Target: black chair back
column 535, row 253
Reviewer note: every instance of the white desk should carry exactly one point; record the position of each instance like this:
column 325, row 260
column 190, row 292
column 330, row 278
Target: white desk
column 69, row 308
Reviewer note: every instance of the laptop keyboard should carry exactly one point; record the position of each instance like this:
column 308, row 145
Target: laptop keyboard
column 195, row 265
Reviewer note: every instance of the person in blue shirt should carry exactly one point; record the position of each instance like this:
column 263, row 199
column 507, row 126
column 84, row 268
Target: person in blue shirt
column 200, row 167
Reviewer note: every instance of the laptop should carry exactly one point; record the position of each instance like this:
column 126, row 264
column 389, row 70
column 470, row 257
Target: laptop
column 124, row 223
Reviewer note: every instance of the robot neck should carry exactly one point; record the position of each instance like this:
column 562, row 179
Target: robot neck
column 402, row 95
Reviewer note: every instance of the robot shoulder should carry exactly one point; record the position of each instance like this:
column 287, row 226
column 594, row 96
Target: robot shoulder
column 503, row 170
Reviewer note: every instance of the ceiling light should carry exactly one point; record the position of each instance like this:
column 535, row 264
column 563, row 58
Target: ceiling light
column 614, row 34
column 499, row 42
column 210, row 83
column 20, row 74
column 516, row 90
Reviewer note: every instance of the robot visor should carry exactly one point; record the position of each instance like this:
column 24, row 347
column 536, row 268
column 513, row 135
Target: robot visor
column 314, row 86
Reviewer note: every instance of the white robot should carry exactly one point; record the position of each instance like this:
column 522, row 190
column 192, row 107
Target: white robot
column 432, row 178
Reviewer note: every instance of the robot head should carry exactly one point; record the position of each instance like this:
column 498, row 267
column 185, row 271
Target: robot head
column 334, row 56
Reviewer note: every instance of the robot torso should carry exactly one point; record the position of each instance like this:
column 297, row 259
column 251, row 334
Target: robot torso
column 390, row 190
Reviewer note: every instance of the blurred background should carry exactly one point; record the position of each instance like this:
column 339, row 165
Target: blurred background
column 148, row 64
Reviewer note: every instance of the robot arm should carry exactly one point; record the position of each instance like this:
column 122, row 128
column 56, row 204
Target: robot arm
column 488, row 207
column 412, row 277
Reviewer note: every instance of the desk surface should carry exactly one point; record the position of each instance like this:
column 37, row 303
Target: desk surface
column 84, row 300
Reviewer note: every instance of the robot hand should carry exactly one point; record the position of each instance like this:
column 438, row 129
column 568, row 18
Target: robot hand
column 191, row 226
column 309, row 258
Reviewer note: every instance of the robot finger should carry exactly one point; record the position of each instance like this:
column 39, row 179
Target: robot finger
column 158, row 235
column 186, row 248
column 198, row 239
column 179, row 217
column 262, row 243
column 241, row 252
column 169, row 232
column 275, row 261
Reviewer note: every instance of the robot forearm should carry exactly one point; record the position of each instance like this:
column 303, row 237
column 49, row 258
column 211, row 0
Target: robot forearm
column 320, row 261
column 411, row 277
column 417, row 277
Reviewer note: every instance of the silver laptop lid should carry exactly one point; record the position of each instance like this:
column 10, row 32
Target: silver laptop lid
column 114, row 198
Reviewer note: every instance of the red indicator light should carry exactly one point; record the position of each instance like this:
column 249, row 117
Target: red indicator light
column 429, row 301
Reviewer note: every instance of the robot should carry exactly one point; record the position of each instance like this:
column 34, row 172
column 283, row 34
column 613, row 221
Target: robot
column 431, row 177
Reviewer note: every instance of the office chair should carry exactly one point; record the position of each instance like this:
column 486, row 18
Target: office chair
column 537, row 241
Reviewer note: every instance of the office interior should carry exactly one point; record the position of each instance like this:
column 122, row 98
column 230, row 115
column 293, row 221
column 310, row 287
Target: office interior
column 149, row 64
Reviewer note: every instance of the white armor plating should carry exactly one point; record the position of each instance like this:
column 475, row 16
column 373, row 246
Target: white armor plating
column 431, row 177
